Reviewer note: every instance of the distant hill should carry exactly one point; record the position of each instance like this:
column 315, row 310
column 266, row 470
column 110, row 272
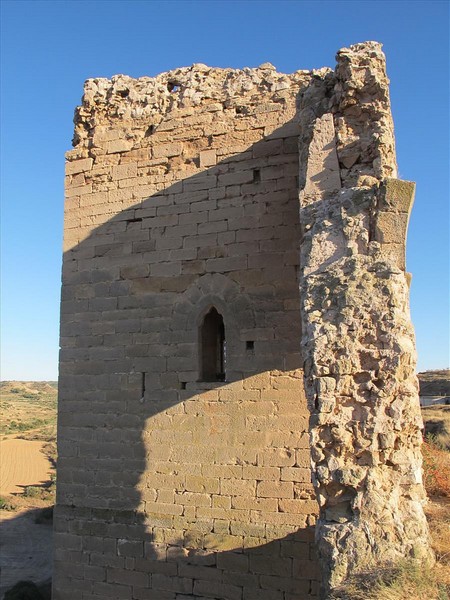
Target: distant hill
column 33, row 387
column 432, row 383
column 435, row 383
column 28, row 409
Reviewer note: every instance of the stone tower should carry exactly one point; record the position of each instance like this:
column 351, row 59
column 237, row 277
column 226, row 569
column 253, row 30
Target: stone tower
column 192, row 464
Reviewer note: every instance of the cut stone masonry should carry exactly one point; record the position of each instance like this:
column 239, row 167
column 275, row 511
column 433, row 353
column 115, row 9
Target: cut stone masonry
column 182, row 215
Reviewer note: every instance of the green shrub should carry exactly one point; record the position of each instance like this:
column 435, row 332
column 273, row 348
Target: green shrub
column 6, row 504
column 32, row 491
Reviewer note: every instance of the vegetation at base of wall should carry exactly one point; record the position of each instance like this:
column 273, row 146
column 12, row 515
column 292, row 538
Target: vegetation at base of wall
column 436, row 469
column 6, row 504
column 45, row 492
column 407, row 580
column 31, row 491
column 437, row 425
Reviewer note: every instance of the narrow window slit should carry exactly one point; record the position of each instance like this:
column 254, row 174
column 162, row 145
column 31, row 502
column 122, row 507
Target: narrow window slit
column 143, row 385
column 213, row 347
column 256, row 175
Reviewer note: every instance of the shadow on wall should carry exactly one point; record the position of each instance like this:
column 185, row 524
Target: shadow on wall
column 170, row 487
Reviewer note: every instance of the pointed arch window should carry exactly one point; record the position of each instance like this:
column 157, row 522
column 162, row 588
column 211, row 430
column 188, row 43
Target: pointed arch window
column 213, row 347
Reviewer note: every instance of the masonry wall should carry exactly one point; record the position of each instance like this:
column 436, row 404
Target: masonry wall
column 182, row 194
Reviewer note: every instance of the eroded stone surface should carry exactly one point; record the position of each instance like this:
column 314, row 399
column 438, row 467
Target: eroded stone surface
column 358, row 341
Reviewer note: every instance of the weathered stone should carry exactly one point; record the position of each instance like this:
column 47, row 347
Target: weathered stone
column 359, row 303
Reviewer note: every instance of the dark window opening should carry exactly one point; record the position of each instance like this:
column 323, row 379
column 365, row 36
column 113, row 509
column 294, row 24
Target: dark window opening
column 256, row 176
column 250, row 345
column 213, row 347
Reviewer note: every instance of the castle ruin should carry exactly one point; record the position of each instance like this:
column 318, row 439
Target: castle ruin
column 238, row 410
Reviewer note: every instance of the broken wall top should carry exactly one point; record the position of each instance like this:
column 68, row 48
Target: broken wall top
column 356, row 93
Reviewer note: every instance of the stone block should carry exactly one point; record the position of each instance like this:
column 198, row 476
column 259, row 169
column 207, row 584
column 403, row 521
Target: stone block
column 276, row 457
column 208, row 158
column 391, row 227
column 267, row 148
column 118, row 145
column 396, row 196
column 81, row 190
column 125, row 171
column 275, row 489
column 79, row 166
column 181, row 585
column 222, row 542
column 207, row 485
column 223, row 265
column 238, row 487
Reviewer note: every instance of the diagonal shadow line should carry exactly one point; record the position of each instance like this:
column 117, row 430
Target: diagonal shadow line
column 152, row 498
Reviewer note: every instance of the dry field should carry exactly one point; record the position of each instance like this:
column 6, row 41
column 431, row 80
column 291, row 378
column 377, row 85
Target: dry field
column 27, row 480
column 27, row 443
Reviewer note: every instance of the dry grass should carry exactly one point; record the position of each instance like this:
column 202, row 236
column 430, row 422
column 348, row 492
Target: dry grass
column 405, row 581
column 436, row 469
column 437, row 425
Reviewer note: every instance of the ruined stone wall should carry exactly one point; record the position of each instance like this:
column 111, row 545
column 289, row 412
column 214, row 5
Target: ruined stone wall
column 358, row 341
column 182, row 194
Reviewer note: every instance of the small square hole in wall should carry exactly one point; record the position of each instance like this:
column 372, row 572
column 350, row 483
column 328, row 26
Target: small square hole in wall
column 250, row 345
column 173, row 87
column 256, row 176
column 183, row 385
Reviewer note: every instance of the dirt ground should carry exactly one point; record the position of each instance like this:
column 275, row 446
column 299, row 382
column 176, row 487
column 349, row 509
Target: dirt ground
column 25, row 545
column 25, row 548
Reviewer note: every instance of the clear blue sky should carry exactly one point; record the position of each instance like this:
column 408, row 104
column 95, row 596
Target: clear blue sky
column 49, row 48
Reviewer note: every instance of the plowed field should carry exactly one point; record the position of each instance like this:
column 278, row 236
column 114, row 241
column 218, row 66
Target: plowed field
column 21, row 464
